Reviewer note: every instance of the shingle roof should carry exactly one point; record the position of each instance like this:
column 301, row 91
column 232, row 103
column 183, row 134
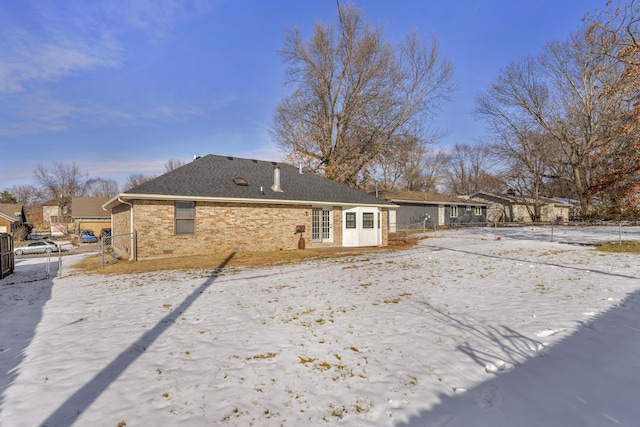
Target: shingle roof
column 423, row 198
column 519, row 200
column 89, row 207
column 213, row 176
column 9, row 211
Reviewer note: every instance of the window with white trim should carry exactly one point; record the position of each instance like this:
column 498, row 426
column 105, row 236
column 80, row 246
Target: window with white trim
column 185, row 217
column 322, row 225
column 478, row 211
column 454, row 211
column 367, row 219
column 350, row 220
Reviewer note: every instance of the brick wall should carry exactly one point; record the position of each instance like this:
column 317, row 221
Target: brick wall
column 219, row 228
column 385, row 226
column 121, row 226
column 224, row 227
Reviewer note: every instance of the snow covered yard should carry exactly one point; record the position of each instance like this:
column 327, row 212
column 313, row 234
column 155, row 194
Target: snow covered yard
column 464, row 329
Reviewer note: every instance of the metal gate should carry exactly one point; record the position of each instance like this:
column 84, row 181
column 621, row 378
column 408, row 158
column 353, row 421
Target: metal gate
column 34, row 268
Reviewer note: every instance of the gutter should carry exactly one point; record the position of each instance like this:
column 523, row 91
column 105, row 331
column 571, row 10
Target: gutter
column 243, row 200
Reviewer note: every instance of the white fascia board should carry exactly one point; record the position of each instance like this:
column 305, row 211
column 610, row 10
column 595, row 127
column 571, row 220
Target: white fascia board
column 130, row 197
column 8, row 218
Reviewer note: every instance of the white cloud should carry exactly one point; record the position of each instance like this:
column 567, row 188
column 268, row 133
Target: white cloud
column 33, row 113
column 156, row 18
column 26, row 57
column 46, row 44
column 269, row 152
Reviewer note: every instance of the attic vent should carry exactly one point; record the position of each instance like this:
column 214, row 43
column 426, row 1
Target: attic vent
column 230, row 158
column 241, row 181
column 254, row 161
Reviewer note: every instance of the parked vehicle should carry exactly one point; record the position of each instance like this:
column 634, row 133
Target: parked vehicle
column 87, row 236
column 105, row 234
column 41, row 247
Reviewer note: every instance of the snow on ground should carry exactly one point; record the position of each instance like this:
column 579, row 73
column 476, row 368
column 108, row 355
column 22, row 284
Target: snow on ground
column 475, row 327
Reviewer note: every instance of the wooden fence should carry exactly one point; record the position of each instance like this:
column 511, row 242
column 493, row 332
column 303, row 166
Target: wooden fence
column 7, row 262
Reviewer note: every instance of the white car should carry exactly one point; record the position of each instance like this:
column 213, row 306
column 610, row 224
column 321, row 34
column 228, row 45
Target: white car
column 40, row 247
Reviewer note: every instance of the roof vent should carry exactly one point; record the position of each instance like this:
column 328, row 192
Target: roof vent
column 276, row 179
column 241, row 182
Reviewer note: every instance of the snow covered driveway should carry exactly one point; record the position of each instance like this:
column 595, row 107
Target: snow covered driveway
column 462, row 330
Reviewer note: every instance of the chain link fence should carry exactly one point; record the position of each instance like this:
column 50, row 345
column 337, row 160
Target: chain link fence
column 111, row 249
column 574, row 232
column 34, row 267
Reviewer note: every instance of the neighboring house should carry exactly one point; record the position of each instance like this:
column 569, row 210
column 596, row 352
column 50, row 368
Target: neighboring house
column 221, row 204
column 12, row 217
column 511, row 208
column 419, row 209
column 87, row 213
column 78, row 213
column 52, row 213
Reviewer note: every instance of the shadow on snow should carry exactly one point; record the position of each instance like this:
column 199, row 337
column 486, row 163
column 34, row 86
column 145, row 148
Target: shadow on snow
column 589, row 378
column 19, row 318
column 73, row 407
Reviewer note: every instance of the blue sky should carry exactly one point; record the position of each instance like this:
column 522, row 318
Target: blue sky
column 120, row 87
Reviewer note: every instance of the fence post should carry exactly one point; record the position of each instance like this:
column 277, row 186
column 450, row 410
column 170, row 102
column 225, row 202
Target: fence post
column 48, row 264
column 59, row 262
column 620, row 233
column 552, row 231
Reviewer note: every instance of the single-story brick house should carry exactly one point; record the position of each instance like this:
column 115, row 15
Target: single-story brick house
column 511, row 208
column 418, row 209
column 220, row 204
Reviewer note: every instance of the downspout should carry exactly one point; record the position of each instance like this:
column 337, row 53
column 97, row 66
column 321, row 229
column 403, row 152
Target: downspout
column 134, row 255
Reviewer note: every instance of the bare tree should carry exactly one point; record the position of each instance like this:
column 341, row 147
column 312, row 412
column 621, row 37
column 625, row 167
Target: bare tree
column 173, row 164
column 63, row 182
column 572, row 95
column 517, row 142
column 353, row 93
column 410, row 164
column 101, row 187
column 615, row 31
column 469, row 169
column 136, row 179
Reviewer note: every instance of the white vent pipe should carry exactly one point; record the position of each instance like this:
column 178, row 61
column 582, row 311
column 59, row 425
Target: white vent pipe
column 276, row 179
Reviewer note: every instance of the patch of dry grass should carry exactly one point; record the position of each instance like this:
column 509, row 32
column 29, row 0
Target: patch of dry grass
column 631, row 246
column 90, row 265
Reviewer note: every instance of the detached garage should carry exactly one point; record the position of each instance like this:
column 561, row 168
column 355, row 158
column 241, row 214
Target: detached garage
column 87, row 214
